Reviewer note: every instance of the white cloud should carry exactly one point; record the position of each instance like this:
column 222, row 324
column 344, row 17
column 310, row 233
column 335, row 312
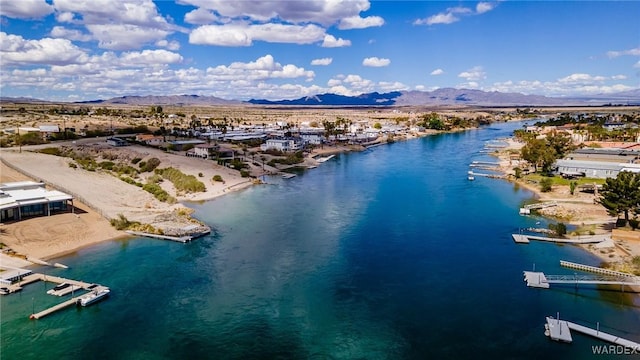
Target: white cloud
column 581, row 78
column 376, row 62
column 17, row 50
column 149, row 57
column 356, row 22
column 244, row 35
column 200, row 16
column 25, row 9
column 619, row 77
column 125, row 36
column 334, row 82
column 452, row 15
column 321, row 62
column 117, row 25
column 483, row 7
column 474, row 74
column 632, row 52
column 171, row 45
column 70, row 34
column 444, row 18
column 437, row 72
column 331, row 42
column 325, row 12
column 637, row 65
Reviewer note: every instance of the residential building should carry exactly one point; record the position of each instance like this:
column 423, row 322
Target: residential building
column 19, row 200
column 284, row 145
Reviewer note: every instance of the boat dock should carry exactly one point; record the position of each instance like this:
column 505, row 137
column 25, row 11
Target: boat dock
column 51, row 310
column 560, row 330
column 182, row 239
column 493, row 176
column 526, row 210
column 540, row 280
column 593, row 269
column 525, row 239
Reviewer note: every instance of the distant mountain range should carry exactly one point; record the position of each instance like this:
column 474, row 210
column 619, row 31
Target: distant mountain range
column 451, row 96
column 439, row 97
column 165, row 100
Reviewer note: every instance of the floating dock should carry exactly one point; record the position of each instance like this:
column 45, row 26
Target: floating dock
column 560, row 330
column 525, row 239
column 182, row 239
column 51, row 310
column 541, row 280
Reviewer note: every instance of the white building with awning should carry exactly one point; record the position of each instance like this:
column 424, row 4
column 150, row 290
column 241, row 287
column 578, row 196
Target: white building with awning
column 22, row 199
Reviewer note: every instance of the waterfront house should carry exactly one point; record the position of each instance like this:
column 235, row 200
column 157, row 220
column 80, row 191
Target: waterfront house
column 284, row 145
column 22, row 199
column 593, row 169
column 180, row 145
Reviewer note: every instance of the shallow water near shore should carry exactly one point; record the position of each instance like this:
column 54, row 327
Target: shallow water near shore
column 386, row 254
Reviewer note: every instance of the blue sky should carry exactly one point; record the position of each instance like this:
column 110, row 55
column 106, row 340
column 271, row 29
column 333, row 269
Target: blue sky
column 71, row 50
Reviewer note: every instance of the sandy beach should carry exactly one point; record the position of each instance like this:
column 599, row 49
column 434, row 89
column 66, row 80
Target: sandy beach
column 97, row 198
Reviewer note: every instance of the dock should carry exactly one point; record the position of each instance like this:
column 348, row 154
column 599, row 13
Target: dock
column 51, row 310
column 181, row 239
column 525, row 239
column 526, row 210
column 537, row 279
column 594, row 269
column 493, row 176
column 560, row 330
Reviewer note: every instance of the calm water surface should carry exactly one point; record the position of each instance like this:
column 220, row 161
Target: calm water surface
column 387, row 254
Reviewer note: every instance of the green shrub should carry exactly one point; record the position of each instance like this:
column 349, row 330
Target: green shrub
column 545, row 184
column 158, row 192
column 150, row 165
column 200, row 175
column 634, row 223
column 73, row 165
column 244, row 173
column 107, row 165
column 121, row 222
column 181, row 181
column 136, row 160
column 217, row 178
column 51, row 151
column 560, row 229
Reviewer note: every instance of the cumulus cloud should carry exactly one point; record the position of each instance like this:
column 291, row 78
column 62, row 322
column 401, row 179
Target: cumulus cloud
column 117, row 25
column 325, row 12
column 331, row 42
column 452, row 15
column 171, row 45
column 244, row 35
column 581, row 78
column 437, row 72
column 25, row 9
column 632, row 52
column 376, row 62
column 17, row 50
column 474, row 74
column 148, row 57
column 356, row 22
column 321, row 62
column 70, row 34
column 619, row 77
column 200, row 16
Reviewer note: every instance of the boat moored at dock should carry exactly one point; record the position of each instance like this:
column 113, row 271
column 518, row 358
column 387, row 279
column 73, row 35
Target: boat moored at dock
column 94, row 296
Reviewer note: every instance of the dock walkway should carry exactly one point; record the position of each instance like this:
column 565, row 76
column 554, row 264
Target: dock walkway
column 525, row 239
column 540, row 280
column 560, row 330
column 55, row 308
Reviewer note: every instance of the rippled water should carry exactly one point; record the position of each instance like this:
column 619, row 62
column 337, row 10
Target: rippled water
column 387, row 254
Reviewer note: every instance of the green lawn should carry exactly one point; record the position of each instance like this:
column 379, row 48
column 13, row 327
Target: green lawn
column 558, row 180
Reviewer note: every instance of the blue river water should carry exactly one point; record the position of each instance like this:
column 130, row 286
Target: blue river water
column 386, row 254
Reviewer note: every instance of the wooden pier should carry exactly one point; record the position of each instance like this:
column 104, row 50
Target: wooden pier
column 560, row 330
column 182, row 239
column 593, row 269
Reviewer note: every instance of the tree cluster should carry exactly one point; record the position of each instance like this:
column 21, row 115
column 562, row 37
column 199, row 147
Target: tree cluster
column 543, row 153
column 621, row 195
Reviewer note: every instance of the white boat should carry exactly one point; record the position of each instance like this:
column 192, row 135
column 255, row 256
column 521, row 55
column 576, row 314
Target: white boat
column 58, row 288
column 471, row 178
column 94, row 296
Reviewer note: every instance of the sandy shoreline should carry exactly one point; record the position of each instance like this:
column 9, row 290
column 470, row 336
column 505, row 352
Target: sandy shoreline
column 97, row 198
column 579, row 210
